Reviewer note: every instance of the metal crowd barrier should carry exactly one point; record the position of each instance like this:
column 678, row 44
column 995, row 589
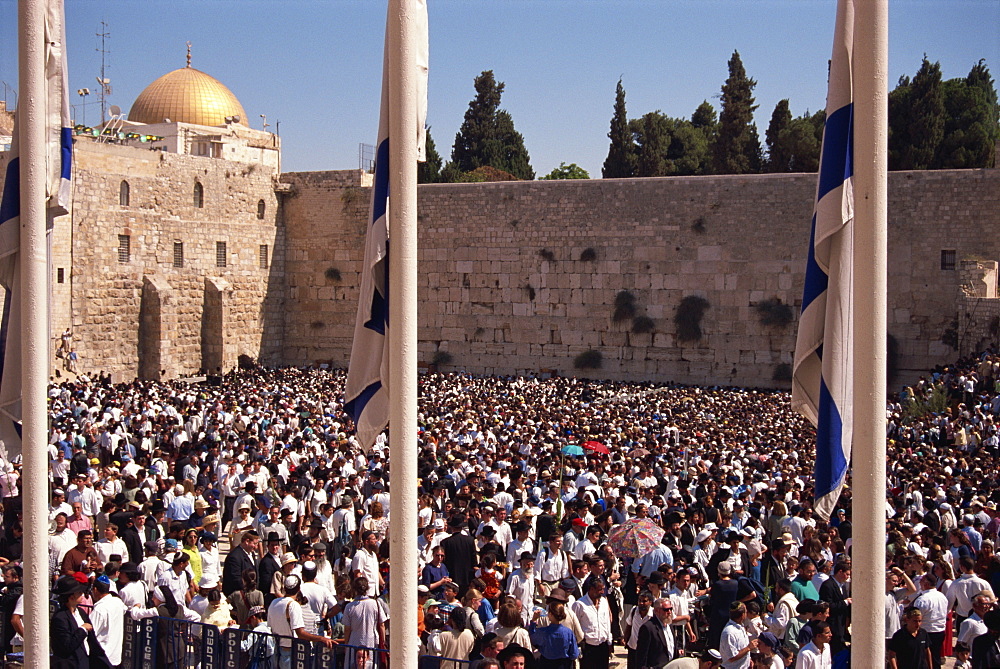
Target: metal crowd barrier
column 169, row 643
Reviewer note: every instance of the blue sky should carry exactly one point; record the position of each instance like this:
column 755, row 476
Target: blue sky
column 314, row 65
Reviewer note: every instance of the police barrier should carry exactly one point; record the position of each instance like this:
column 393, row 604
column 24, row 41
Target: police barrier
column 169, row 643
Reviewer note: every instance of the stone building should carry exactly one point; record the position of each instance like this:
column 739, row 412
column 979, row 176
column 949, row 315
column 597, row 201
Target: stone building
column 186, row 248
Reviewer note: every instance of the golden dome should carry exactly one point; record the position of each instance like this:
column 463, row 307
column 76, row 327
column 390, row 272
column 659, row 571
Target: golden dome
column 186, row 95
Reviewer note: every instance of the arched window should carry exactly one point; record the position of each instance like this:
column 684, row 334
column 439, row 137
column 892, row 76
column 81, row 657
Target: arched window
column 123, row 194
column 261, row 208
column 199, row 195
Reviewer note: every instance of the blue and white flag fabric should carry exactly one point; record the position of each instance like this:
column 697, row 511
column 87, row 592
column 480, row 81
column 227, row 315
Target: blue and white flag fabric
column 59, row 165
column 367, row 391
column 823, row 369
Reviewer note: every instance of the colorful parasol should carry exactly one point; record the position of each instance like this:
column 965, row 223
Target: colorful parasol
column 572, row 449
column 635, row 537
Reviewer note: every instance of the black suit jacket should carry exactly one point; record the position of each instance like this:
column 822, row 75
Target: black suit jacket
column 232, row 570
column 651, row 649
column 460, row 558
column 840, row 610
column 68, row 649
column 266, row 569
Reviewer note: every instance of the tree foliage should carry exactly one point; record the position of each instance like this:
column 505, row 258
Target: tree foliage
column 564, row 171
column 778, row 159
column 936, row 124
column 737, row 147
column 670, row 146
column 621, row 160
column 971, row 128
column 487, row 136
column 429, row 171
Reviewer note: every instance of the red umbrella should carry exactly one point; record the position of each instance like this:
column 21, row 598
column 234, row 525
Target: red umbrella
column 596, row 446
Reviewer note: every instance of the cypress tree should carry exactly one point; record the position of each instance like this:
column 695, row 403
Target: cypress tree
column 737, row 147
column 429, row 172
column 621, row 160
column 927, row 123
column 654, row 140
column 971, row 129
column 487, row 135
column 778, row 158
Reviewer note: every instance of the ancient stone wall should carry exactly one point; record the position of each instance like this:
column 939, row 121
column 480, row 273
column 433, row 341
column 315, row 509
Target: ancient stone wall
column 518, row 277
column 174, row 241
column 523, row 277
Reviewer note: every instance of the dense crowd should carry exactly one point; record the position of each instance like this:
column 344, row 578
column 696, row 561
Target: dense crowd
column 525, row 488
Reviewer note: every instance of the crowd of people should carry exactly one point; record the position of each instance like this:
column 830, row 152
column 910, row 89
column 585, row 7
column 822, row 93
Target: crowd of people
column 251, row 504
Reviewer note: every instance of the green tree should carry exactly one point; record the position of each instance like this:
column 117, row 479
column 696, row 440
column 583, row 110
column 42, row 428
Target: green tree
column 487, row 135
column 737, row 147
column 564, row 171
column 801, row 145
column 916, row 132
column 971, row 129
column 429, row 171
column 704, row 117
column 621, row 161
column 652, row 133
column 689, row 152
column 899, row 124
column 778, row 158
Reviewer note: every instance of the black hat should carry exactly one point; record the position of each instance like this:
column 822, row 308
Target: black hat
column 68, row 585
column 515, row 649
column 273, row 536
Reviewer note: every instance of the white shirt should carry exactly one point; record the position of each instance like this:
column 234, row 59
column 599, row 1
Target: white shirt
column 962, row 590
column 522, row 586
column 633, row 621
column 934, row 606
column 810, row 657
column 595, row 620
column 367, row 563
column 105, row 549
column 972, row 627
column 734, row 639
column 284, row 615
column 108, row 619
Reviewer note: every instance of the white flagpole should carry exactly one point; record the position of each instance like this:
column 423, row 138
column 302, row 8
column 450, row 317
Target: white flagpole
column 401, row 32
column 871, row 60
column 31, row 105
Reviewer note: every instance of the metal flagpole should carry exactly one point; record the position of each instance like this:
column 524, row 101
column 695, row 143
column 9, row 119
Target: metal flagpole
column 401, row 32
column 871, row 39
column 34, row 332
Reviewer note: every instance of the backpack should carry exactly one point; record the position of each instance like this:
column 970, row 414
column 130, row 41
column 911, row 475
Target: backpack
column 755, row 585
column 492, row 583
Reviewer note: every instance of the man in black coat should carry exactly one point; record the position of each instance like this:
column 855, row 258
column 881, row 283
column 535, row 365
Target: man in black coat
column 241, row 558
column 834, row 591
column 269, row 565
column 459, row 553
column 772, row 567
column 655, row 645
column 67, row 638
column 133, row 540
column 733, row 546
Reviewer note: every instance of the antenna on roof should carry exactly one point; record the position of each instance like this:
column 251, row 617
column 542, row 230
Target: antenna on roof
column 103, row 80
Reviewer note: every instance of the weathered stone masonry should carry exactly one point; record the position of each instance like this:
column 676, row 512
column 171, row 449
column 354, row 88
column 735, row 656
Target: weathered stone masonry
column 516, row 277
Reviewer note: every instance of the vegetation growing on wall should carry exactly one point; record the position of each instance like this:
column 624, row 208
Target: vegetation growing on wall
column 688, row 317
column 625, row 308
column 773, row 311
column 643, row 324
column 591, row 359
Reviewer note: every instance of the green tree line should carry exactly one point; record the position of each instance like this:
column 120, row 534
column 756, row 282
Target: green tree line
column 933, row 124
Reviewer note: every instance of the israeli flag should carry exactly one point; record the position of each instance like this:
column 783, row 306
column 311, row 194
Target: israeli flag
column 823, row 369
column 367, row 390
column 59, row 167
